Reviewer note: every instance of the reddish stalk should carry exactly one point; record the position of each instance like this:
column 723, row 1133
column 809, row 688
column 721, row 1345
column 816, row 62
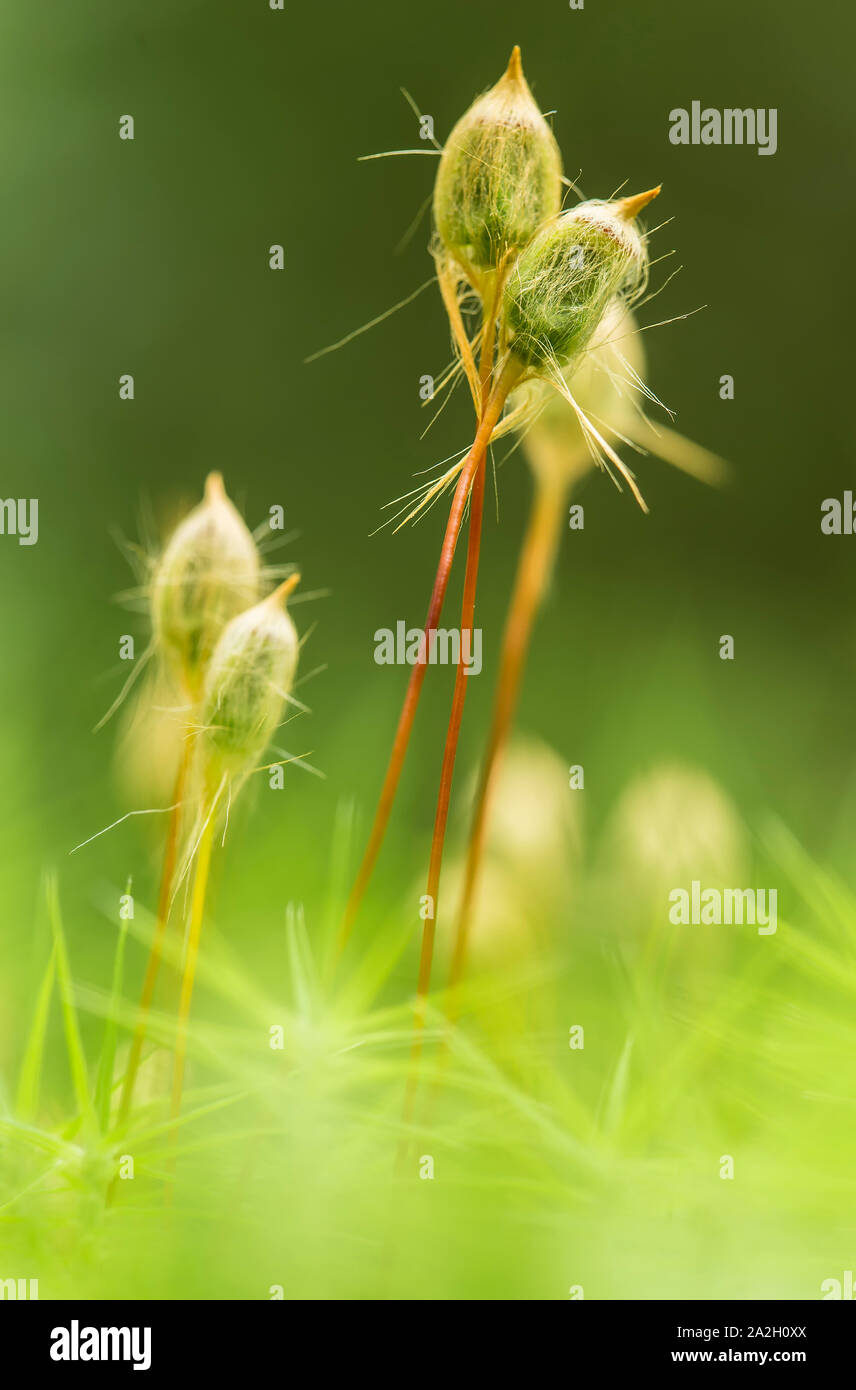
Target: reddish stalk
column 474, row 459
column 533, row 571
column 507, row 378
column 446, row 774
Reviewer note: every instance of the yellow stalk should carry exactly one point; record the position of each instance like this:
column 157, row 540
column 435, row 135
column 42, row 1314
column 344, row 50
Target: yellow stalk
column 156, row 952
column 197, row 913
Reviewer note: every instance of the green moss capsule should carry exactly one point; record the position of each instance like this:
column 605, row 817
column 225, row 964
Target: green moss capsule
column 499, row 177
column 249, row 677
column 208, row 573
column 561, row 285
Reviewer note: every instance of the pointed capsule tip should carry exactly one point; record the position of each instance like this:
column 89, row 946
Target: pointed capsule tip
column 214, row 488
column 628, row 208
column 514, row 71
column 280, row 594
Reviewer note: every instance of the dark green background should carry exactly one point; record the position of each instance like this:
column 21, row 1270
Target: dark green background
column 151, row 257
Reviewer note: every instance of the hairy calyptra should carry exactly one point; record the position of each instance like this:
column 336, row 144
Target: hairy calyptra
column 499, row 177
column 208, row 573
column 562, row 283
column 249, row 677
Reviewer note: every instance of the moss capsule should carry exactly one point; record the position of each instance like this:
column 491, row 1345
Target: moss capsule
column 499, row 176
column 208, row 573
column 562, row 284
column 249, row 677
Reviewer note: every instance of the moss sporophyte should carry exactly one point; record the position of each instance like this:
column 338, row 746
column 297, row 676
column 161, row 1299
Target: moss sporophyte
column 208, row 571
column 545, row 282
column 232, row 656
column 539, row 304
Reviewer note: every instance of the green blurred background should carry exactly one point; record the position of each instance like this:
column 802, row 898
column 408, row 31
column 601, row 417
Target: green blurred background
column 151, row 258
